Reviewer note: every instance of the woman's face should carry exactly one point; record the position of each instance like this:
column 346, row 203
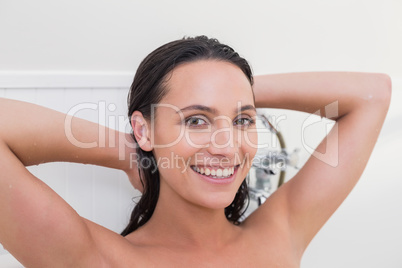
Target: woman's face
column 204, row 135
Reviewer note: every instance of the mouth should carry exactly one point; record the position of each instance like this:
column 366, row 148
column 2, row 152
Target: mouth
column 215, row 174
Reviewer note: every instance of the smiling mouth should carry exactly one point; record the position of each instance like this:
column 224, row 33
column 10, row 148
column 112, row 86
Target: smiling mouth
column 215, row 173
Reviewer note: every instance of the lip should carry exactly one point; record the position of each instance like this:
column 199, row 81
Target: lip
column 227, row 180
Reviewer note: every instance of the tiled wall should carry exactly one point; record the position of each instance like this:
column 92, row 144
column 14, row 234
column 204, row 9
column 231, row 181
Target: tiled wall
column 100, row 194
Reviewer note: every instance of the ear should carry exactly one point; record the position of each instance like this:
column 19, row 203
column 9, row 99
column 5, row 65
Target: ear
column 141, row 131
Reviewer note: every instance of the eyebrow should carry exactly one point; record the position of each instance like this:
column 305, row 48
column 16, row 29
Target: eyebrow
column 213, row 110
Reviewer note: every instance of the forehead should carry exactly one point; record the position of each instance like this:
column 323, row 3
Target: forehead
column 208, row 82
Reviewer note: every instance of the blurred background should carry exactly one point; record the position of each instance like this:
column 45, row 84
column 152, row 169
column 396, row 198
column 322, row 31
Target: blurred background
column 80, row 57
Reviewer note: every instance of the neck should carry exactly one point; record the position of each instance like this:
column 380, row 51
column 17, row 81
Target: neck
column 175, row 221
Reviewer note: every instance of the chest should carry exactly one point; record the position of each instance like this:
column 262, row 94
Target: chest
column 249, row 253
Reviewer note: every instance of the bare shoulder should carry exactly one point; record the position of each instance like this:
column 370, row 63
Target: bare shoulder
column 115, row 250
column 272, row 247
column 300, row 207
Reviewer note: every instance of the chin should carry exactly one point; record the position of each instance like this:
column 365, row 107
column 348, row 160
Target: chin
column 217, row 201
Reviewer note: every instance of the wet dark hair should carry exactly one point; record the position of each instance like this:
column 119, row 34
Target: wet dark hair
column 149, row 88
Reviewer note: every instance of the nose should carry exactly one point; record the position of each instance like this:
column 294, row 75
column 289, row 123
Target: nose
column 223, row 142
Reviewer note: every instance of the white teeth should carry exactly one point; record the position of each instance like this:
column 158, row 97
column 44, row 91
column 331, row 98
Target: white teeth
column 226, row 172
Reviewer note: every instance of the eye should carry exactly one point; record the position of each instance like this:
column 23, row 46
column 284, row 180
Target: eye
column 244, row 121
column 195, row 121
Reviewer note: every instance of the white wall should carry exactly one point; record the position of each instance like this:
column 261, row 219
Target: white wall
column 276, row 36
column 111, row 37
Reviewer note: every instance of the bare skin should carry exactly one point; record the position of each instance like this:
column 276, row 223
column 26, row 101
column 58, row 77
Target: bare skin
column 188, row 227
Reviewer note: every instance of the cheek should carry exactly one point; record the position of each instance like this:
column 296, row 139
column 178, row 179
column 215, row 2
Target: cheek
column 197, row 140
column 172, row 151
column 166, row 139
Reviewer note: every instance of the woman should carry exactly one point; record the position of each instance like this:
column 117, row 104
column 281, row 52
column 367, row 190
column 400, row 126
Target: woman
column 203, row 121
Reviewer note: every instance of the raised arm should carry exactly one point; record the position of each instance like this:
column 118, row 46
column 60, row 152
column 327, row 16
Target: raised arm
column 38, row 135
column 35, row 221
column 359, row 103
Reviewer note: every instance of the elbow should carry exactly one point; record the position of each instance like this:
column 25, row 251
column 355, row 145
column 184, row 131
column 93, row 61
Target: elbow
column 384, row 89
column 380, row 89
